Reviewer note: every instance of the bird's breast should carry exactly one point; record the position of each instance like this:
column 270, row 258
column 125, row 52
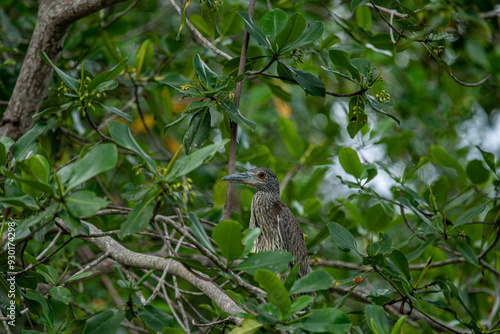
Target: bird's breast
column 265, row 211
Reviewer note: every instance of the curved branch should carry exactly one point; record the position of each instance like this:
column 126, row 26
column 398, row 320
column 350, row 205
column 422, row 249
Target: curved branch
column 132, row 259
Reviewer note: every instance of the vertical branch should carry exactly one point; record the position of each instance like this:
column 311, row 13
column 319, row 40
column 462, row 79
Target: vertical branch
column 234, row 126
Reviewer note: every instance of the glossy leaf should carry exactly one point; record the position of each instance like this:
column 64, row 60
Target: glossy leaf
column 400, row 261
column 343, row 59
column 61, row 294
column 115, row 111
column 276, row 292
column 315, row 280
column 120, row 133
column 248, row 326
column 272, row 22
column 476, row 172
column 326, row 320
column 235, row 115
column 489, row 159
column 69, row 81
column 251, row 234
column 227, row 234
column 313, row 33
column 398, row 325
column 468, row 254
column 341, row 237
column 140, row 215
column 106, row 75
column 84, row 203
column 26, row 146
column 198, row 131
column 154, row 318
column 469, row 215
column 186, row 164
column 274, row 261
column 254, row 31
column 207, row 77
column 357, row 116
column 105, row 322
column 143, row 57
column 199, row 231
column 294, row 27
column 102, row 158
column 377, row 319
column 310, row 83
column 350, row 162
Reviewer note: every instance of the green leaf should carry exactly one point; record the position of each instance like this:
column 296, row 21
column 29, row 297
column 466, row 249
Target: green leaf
column 199, row 231
column 377, row 319
column 444, row 159
column 341, row 237
column 81, row 276
column 207, row 77
column 454, row 291
column 476, row 172
column 291, row 137
column 120, row 133
column 209, row 15
column 468, row 254
column 61, row 294
column 251, row 234
column 154, row 318
column 356, row 3
column 227, row 234
column 343, row 59
column 313, row 33
column 411, row 171
column 198, row 131
column 329, row 41
column 248, row 326
column 54, row 109
column 292, row 276
column 275, row 261
column 26, row 146
column 326, row 320
column 140, row 215
column 299, row 304
column 469, row 215
column 74, row 223
column 315, row 280
column 84, row 203
column 143, row 57
column 310, row 83
column 489, row 159
column 70, row 82
column 254, row 31
column 105, row 322
column 276, row 292
column 294, row 27
column 186, row 164
column 174, row 123
column 350, row 162
column 3, row 154
column 235, row 115
column 364, row 18
column 102, row 158
column 397, row 326
column 400, row 261
column 322, row 235
column 312, row 206
column 379, row 218
column 357, row 116
column 231, row 66
column 115, row 111
column 106, row 75
column 272, row 22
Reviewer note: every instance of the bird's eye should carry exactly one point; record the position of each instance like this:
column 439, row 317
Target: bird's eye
column 261, row 175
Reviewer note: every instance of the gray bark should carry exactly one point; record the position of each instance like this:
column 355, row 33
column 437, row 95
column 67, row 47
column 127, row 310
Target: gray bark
column 132, row 259
column 54, row 20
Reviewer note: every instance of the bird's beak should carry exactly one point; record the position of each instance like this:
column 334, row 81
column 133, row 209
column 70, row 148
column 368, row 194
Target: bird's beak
column 244, row 178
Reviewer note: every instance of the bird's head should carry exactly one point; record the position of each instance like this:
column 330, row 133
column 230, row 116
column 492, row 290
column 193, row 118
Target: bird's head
column 261, row 179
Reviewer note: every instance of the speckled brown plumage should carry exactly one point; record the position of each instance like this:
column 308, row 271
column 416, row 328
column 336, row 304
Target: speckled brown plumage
column 279, row 228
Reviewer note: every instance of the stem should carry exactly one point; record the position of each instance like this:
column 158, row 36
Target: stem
column 234, row 126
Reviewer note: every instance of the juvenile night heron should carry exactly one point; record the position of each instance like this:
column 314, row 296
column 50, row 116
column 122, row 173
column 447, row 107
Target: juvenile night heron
column 279, row 228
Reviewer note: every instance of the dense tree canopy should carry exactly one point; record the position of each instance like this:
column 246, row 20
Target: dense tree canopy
column 119, row 119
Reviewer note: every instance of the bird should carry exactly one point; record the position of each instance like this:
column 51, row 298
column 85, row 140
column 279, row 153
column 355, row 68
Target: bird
column 279, row 227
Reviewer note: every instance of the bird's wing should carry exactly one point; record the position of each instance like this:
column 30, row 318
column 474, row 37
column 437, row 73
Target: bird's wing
column 293, row 238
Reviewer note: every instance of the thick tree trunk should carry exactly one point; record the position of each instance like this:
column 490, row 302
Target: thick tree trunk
column 54, row 20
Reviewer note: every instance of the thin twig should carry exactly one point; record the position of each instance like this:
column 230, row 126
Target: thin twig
column 52, row 243
column 199, row 35
column 117, row 16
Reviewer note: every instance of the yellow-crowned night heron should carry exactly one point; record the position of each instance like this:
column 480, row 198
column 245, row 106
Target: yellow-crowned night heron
column 279, row 228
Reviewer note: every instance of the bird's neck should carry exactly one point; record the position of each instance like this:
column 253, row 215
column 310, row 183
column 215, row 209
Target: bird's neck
column 271, row 196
